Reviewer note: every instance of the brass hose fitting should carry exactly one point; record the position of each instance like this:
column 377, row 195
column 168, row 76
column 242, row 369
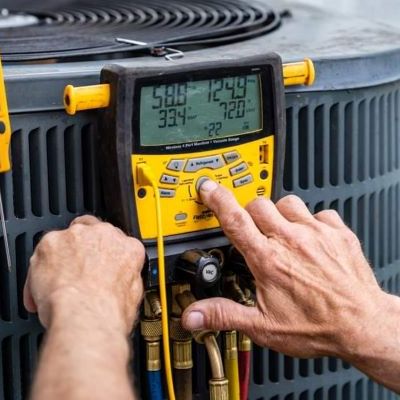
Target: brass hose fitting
column 184, row 300
column 153, row 300
column 153, row 357
column 233, row 291
column 151, row 330
column 182, row 355
column 231, row 345
column 181, row 348
column 182, row 345
column 244, row 342
column 152, row 305
column 219, row 389
column 218, row 384
column 176, row 309
column 182, row 339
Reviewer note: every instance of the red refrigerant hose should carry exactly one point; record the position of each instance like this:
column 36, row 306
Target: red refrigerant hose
column 244, row 365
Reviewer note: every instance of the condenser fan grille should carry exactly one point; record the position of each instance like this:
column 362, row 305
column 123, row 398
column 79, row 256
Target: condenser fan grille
column 90, row 28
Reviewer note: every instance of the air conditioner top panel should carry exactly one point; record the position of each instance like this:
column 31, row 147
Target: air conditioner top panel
column 349, row 51
column 78, row 27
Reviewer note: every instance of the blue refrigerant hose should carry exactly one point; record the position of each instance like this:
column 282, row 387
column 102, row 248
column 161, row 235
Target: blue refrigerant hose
column 154, row 385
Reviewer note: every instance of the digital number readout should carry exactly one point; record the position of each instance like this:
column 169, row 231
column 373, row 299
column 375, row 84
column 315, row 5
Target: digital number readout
column 200, row 110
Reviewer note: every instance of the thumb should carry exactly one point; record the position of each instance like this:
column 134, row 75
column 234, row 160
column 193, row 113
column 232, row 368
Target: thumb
column 219, row 314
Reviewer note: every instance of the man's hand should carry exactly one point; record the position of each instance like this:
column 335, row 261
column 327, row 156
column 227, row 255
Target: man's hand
column 85, row 284
column 91, row 265
column 316, row 293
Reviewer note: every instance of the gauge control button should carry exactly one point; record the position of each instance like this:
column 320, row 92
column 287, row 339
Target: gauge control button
column 167, row 193
column 231, row 157
column 238, row 169
column 199, row 268
column 181, row 217
column 200, row 181
column 245, row 180
column 211, row 162
column 176, row 165
column 172, row 180
column 210, row 273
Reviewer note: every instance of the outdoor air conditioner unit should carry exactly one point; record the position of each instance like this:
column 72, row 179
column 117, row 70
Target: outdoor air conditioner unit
column 342, row 150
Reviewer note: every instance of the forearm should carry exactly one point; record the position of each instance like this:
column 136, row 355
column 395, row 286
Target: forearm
column 85, row 355
column 375, row 346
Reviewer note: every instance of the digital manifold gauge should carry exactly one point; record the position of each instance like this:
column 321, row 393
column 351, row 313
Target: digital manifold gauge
column 221, row 120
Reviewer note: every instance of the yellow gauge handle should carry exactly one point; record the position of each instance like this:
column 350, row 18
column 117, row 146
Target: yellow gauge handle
column 299, row 73
column 5, row 127
column 86, row 97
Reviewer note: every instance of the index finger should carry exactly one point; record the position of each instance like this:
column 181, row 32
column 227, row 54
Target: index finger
column 236, row 222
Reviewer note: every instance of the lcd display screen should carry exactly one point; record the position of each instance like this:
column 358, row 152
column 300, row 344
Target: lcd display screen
column 200, row 110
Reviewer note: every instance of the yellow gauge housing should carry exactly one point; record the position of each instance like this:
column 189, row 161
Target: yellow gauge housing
column 246, row 156
column 246, row 170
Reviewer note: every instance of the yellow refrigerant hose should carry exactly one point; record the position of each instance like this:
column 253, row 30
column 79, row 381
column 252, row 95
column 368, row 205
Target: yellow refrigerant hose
column 147, row 178
column 231, row 364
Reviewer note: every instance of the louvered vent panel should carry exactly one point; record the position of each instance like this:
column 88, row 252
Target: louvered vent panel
column 54, row 178
column 341, row 154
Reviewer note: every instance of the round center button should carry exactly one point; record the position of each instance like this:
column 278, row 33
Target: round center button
column 209, row 273
column 200, row 181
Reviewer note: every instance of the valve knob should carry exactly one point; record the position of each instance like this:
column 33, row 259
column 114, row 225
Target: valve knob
column 199, row 267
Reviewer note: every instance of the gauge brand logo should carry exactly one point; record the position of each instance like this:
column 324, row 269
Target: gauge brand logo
column 204, row 215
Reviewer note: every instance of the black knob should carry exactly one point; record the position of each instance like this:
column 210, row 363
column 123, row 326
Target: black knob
column 199, row 267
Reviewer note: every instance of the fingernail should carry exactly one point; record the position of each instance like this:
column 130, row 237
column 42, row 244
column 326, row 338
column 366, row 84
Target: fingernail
column 208, row 186
column 195, row 320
